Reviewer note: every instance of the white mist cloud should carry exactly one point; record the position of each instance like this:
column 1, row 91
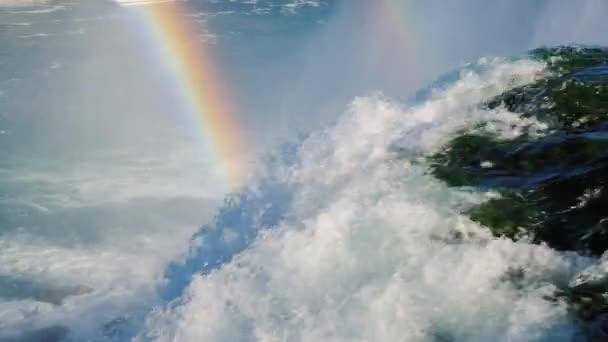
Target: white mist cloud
column 579, row 22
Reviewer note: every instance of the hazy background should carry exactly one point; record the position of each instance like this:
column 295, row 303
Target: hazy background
column 89, row 65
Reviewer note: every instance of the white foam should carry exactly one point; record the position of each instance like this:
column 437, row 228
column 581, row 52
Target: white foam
column 109, row 225
column 364, row 252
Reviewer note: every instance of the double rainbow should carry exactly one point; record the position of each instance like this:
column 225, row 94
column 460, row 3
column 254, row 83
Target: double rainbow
column 200, row 86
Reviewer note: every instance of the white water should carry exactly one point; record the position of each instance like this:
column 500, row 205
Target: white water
column 89, row 241
column 340, row 238
column 363, row 251
column 346, row 240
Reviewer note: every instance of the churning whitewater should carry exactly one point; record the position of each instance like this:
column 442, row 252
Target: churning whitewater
column 346, row 239
column 343, row 236
column 114, row 220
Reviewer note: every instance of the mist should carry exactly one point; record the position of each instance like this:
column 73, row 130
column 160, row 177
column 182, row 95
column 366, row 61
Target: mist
column 107, row 175
column 286, row 74
column 397, row 47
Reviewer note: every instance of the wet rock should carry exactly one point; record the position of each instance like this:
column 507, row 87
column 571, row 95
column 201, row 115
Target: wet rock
column 552, row 181
column 551, row 184
column 596, row 240
column 592, row 279
column 598, row 330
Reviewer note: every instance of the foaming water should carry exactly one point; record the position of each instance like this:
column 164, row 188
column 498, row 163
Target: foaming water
column 343, row 236
column 361, row 244
column 83, row 249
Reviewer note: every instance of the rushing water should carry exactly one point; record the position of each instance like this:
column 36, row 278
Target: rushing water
column 113, row 225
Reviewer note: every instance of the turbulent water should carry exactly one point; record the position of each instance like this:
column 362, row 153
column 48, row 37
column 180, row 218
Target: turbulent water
column 112, row 226
column 360, row 251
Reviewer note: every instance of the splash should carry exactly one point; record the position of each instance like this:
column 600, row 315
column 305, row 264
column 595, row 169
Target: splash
column 364, row 245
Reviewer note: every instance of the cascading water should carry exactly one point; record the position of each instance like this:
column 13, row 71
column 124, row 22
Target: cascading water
column 440, row 218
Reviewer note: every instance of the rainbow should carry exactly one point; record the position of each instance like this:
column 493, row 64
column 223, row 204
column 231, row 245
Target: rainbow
column 200, row 85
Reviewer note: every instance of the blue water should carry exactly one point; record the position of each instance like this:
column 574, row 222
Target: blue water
column 114, row 225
